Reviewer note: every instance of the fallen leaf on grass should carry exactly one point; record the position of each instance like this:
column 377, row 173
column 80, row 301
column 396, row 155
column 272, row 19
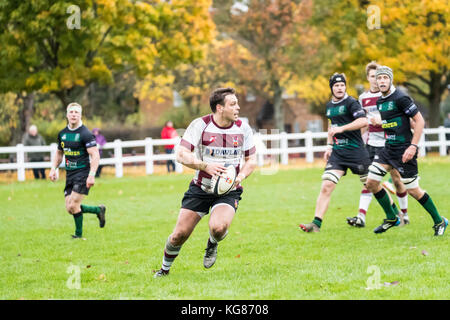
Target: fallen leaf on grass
column 389, row 284
column 88, row 266
column 238, row 256
column 102, row 277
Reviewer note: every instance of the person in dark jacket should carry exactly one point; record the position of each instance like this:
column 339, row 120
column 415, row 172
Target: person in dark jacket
column 33, row 138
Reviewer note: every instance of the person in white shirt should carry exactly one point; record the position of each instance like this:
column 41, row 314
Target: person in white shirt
column 210, row 143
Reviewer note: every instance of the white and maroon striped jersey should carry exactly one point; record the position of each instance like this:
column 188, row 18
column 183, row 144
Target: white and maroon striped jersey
column 212, row 143
column 368, row 101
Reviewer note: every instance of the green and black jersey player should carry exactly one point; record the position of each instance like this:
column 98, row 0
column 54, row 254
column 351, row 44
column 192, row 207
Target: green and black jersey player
column 400, row 151
column 346, row 148
column 77, row 144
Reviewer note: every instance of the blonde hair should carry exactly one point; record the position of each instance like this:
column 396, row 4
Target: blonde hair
column 75, row 106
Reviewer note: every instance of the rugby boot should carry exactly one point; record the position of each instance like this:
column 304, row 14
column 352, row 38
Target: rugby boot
column 356, row 222
column 387, row 224
column 309, row 227
column 210, row 255
column 160, row 273
column 439, row 228
column 101, row 216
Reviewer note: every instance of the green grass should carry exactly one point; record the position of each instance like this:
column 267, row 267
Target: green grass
column 265, row 255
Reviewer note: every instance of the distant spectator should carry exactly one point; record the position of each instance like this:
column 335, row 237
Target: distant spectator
column 169, row 132
column 101, row 141
column 447, row 125
column 32, row 138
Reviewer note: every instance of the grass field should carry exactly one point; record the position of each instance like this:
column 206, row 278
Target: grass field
column 265, row 256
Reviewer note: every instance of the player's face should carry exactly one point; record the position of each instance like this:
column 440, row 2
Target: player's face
column 372, row 80
column 231, row 108
column 74, row 117
column 339, row 90
column 384, row 83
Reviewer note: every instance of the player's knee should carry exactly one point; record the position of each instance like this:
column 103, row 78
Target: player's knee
column 411, row 183
column 327, row 187
column 178, row 237
column 417, row 193
column 330, row 176
column 219, row 230
column 72, row 208
column 372, row 185
column 376, row 172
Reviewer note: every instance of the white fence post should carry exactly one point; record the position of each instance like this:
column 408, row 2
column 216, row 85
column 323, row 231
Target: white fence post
column 309, row 146
column 149, row 156
column 422, row 148
column 20, row 163
column 118, row 158
column 442, row 141
column 53, row 150
column 284, row 148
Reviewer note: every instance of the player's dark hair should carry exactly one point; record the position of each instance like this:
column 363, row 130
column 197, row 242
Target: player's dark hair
column 218, row 97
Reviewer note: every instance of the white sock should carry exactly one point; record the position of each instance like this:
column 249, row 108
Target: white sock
column 403, row 202
column 364, row 202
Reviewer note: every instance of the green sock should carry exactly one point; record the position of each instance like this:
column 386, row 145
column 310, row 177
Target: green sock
column 428, row 204
column 383, row 199
column 78, row 217
column 90, row 209
column 394, row 207
column 317, row 221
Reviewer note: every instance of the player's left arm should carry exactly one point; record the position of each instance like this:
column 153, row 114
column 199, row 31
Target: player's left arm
column 95, row 158
column 249, row 155
column 247, row 169
column 419, row 124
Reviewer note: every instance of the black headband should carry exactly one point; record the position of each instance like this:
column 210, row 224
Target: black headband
column 337, row 78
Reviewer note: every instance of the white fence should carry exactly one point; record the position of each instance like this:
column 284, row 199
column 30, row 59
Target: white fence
column 282, row 145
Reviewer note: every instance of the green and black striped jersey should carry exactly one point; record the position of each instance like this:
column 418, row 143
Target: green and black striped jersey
column 74, row 144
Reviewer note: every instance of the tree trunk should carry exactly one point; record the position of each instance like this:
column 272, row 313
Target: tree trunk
column 434, row 100
column 278, row 106
column 25, row 114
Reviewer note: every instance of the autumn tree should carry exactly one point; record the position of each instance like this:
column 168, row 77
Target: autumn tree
column 277, row 35
column 225, row 63
column 410, row 36
column 61, row 47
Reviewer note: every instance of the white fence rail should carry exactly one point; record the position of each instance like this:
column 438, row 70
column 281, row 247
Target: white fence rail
column 281, row 145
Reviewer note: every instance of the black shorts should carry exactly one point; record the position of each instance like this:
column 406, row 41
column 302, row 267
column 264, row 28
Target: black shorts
column 336, row 162
column 372, row 151
column 76, row 181
column 197, row 200
column 392, row 155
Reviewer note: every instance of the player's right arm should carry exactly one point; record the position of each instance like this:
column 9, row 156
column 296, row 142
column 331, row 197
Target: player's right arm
column 187, row 158
column 55, row 164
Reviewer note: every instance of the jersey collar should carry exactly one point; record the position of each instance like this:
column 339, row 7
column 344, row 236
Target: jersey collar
column 68, row 127
column 392, row 89
column 336, row 102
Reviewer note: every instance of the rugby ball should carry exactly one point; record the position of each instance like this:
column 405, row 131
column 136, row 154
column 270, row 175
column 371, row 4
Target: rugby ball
column 224, row 183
